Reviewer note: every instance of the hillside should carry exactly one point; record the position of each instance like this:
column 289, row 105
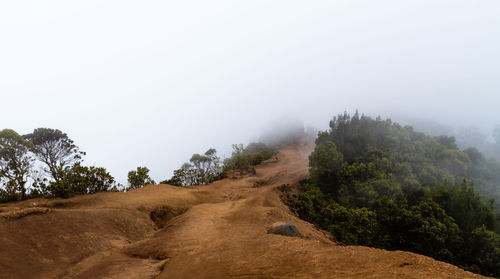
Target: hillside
column 213, row 231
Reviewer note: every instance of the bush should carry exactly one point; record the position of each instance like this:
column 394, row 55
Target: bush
column 79, row 180
column 139, row 178
column 286, row 188
column 254, row 154
column 6, row 196
column 202, row 169
column 351, row 226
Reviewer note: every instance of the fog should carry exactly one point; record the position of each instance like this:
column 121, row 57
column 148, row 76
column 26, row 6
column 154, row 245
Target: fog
column 148, row 83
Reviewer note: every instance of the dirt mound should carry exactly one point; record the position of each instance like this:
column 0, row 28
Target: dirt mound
column 214, row 231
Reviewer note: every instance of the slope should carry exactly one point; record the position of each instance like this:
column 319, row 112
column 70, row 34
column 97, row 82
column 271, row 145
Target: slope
column 214, row 231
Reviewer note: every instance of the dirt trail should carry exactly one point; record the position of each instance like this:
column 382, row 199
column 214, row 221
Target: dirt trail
column 214, row 231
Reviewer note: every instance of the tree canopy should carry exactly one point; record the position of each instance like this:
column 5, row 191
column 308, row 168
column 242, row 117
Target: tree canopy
column 202, row 170
column 377, row 183
column 139, row 178
column 15, row 163
column 55, row 150
column 46, row 163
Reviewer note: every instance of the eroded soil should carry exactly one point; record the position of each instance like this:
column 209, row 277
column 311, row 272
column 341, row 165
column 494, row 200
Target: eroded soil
column 213, row 231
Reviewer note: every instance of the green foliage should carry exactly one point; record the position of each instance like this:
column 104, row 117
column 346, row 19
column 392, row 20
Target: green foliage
column 238, row 158
column 15, row 164
column 486, row 175
column 203, row 169
column 447, row 141
column 351, row 225
column 207, row 166
column 376, row 183
column 465, row 205
column 397, row 157
column 286, row 188
column 139, row 178
column 258, row 152
column 79, row 180
column 60, row 159
column 55, row 150
column 254, row 154
column 309, row 204
column 8, row 195
column 325, row 163
column 483, row 250
column 423, row 228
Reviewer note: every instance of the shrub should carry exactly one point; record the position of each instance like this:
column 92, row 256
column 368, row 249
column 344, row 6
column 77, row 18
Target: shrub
column 139, row 178
column 254, row 154
column 79, row 180
column 202, row 169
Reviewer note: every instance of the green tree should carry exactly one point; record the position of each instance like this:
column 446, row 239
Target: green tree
column 55, row 150
column 483, row 252
column 258, row 152
column 238, row 158
column 325, row 163
column 185, row 176
column 208, row 166
column 15, row 162
column 139, row 178
column 466, row 206
column 377, row 183
column 79, row 180
column 204, row 169
column 447, row 141
column 351, row 225
column 254, row 154
column 454, row 161
column 430, row 230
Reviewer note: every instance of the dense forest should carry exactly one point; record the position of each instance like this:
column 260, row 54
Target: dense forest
column 488, row 142
column 376, row 183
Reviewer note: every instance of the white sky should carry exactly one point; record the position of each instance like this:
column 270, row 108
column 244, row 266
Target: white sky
column 151, row 82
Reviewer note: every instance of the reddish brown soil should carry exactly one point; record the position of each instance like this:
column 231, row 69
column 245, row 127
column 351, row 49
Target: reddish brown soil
column 214, row 231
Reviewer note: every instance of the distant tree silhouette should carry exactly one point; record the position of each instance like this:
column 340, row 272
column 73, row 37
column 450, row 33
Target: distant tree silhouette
column 55, row 150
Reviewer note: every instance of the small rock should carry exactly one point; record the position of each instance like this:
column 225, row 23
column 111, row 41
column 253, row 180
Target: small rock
column 284, row 228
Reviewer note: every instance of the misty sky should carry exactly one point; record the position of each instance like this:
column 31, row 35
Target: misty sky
column 150, row 82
